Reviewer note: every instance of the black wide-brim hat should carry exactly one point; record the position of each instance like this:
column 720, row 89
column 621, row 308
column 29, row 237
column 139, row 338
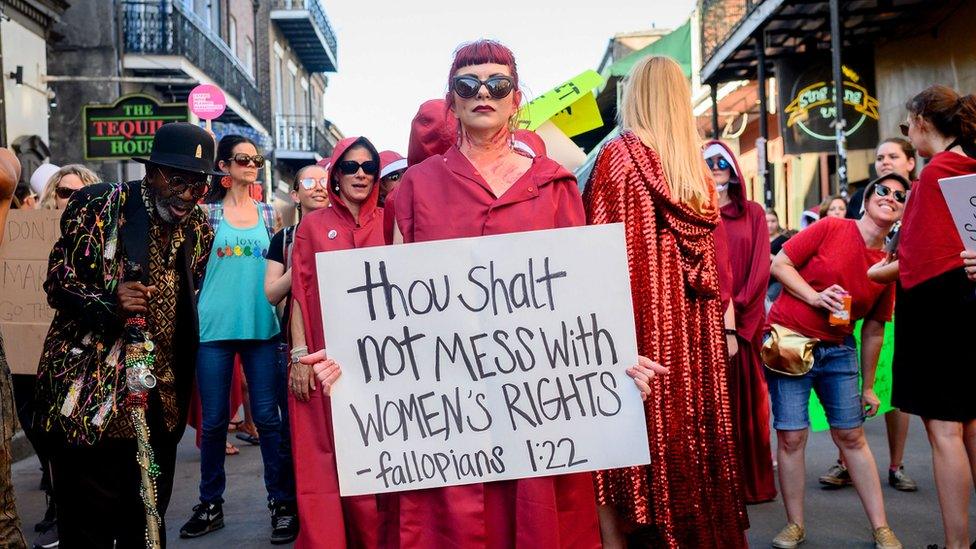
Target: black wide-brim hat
column 183, row 146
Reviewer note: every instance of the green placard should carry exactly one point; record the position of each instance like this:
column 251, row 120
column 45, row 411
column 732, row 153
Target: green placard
column 882, row 378
column 126, row 127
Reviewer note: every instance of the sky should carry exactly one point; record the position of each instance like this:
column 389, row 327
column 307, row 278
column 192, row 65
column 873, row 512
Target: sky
column 395, row 54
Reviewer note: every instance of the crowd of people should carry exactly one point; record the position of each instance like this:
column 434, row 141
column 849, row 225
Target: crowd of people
column 166, row 286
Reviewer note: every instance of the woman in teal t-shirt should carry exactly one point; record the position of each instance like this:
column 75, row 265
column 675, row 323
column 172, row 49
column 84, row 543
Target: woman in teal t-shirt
column 236, row 319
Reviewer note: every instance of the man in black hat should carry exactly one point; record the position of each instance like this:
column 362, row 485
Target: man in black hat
column 129, row 259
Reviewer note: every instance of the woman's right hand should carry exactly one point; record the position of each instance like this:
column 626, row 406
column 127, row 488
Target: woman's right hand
column 326, row 370
column 831, row 299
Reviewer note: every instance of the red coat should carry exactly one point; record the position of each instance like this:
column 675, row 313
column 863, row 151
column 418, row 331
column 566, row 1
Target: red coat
column 443, row 197
column 326, row 519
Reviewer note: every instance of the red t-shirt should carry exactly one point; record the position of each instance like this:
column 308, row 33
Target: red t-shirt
column 929, row 244
column 832, row 251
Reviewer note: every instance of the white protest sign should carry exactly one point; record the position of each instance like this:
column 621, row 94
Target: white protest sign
column 960, row 195
column 482, row 359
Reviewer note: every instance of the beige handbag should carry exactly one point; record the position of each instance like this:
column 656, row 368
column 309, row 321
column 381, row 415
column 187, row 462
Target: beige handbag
column 787, row 352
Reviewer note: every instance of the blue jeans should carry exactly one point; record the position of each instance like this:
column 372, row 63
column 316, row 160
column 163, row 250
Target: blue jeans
column 264, row 369
column 835, row 378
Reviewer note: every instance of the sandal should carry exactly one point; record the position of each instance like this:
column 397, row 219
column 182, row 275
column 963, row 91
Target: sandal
column 248, row 438
column 231, row 450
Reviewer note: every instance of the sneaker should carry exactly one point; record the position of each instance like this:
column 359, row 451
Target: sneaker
column 206, row 518
column 284, row 522
column 837, row 476
column 50, row 516
column 791, row 536
column 899, row 480
column 884, row 538
column 48, row 538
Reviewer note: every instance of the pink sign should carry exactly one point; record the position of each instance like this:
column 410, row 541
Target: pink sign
column 207, row 101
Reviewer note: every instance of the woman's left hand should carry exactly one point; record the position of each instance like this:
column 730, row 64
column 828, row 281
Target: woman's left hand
column 643, row 372
column 870, row 402
column 969, row 262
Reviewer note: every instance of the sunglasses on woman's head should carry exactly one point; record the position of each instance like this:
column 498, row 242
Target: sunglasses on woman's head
column 64, row 193
column 904, row 128
column 499, row 87
column 350, row 167
column 308, row 183
column 242, row 160
column 722, row 163
column 884, row 190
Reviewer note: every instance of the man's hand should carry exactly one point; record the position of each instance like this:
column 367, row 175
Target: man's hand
column 133, row 298
column 870, row 401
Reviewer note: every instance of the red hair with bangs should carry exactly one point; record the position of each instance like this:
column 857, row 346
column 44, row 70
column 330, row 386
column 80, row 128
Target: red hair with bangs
column 480, row 52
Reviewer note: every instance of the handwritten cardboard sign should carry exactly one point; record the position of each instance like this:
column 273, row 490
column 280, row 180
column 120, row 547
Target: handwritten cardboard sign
column 960, row 196
column 546, row 106
column 482, row 359
column 24, row 313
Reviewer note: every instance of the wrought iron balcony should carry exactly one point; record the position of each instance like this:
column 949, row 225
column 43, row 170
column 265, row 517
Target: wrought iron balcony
column 305, row 25
column 164, row 27
column 299, row 136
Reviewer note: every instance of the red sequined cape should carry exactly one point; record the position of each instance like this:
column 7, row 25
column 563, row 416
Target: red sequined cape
column 692, row 490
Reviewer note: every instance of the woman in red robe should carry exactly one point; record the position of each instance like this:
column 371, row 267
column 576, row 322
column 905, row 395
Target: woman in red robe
column 748, row 240
column 653, row 179
column 352, row 220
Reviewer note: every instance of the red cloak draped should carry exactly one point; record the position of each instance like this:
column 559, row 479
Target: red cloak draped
column 748, row 242
column 444, row 197
column 691, row 492
column 326, row 519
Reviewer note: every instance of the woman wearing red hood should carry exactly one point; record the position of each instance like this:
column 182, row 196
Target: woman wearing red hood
column 352, row 220
column 748, row 241
column 481, row 186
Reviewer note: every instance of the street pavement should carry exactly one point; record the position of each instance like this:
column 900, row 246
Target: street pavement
column 835, row 518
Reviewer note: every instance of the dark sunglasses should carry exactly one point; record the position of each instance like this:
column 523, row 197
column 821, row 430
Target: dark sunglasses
column 884, row 190
column 349, row 167
column 242, row 160
column 178, row 185
column 308, row 183
column 904, row 128
column 395, row 176
column 499, row 87
column 722, row 163
column 64, row 193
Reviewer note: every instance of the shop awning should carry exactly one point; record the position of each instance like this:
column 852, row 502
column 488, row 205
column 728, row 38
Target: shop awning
column 676, row 45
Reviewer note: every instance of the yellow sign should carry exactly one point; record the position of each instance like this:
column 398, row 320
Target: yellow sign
column 580, row 117
column 547, row 105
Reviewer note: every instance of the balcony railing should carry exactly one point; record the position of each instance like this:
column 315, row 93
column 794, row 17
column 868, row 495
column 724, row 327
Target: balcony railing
column 719, row 18
column 299, row 133
column 164, row 27
column 307, row 27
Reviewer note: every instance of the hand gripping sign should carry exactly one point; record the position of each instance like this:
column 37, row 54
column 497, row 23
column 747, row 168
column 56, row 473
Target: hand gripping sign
column 482, row 359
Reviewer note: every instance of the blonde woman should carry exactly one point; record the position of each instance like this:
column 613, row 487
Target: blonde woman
column 64, row 183
column 654, row 180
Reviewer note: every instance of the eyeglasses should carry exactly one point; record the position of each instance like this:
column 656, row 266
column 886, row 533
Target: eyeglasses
column 64, row 193
column 308, row 183
column 393, row 177
column 722, row 163
column 499, row 87
column 242, row 160
column 349, row 167
column 884, row 190
column 178, row 185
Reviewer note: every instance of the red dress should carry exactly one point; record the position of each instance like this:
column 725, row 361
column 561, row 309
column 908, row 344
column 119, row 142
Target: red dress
column 326, row 519
column 692, row 491
column 443, row 197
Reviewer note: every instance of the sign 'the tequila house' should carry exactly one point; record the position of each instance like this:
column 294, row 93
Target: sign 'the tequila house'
column 126, row 127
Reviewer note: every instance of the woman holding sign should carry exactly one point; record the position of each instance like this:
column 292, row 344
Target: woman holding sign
column 351, row 220
column 932, row 372
column 483, row 185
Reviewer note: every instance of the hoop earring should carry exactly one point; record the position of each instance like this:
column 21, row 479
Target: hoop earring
column 226, row 182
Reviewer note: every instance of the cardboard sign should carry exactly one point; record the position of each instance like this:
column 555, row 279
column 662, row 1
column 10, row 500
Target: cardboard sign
column 960, row 196
column 482, row 359
column 207, row 101
column 580, row 117
column 542, row 108
column 24, row 313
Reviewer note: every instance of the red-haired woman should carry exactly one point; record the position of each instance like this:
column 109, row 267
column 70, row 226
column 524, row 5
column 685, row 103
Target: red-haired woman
column 484, row 186
column 351, row 220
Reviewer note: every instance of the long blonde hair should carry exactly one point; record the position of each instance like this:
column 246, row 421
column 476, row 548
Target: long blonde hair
column 657, row 108
column 49, row 196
